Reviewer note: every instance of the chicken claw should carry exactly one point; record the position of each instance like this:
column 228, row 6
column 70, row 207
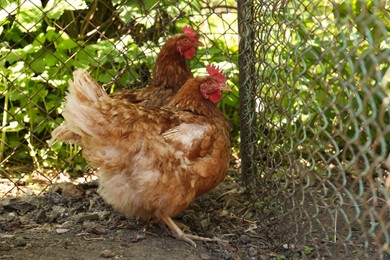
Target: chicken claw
column 179, row 234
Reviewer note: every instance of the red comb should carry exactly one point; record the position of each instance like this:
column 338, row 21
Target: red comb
column 190, row 32
column 216, row 73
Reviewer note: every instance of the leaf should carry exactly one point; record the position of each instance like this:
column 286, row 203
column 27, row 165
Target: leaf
column 15, row 95
column 148, row 20
column 29, row 17
column 13, row 126
column 50, row 59
column 150, row 3
column 38, row 65
column 39, row 40
column 51, row 33
column 64, row 42
column 14, row 55
column 7, row 9
column 129, row 11
column 55, row 8
column 105, row 77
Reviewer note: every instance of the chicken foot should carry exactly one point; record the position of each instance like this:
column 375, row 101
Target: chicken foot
column 179, row 234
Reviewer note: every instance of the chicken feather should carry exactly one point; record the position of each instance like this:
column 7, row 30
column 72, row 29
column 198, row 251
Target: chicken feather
column 170, row 73
column 152, row 162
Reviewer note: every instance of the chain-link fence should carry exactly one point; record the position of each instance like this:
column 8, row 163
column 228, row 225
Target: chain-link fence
column 42, row 42
column 315, row 123
column 312, row 124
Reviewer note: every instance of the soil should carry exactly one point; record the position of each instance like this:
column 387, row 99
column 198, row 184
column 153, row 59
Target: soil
column 73, row 222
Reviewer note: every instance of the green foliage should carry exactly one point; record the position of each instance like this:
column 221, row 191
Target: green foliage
column 54, row 9
column 116, row 41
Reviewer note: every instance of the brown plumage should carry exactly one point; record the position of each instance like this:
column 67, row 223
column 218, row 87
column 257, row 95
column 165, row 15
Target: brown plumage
column 152, row 162
column 170, row 72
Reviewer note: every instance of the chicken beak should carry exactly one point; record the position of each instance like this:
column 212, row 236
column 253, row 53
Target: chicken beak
column 198, row 43
column 224, row 87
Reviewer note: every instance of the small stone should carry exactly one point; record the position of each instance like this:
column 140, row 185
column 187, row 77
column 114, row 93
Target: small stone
column 227, row 254
column 81, row 217
column 106, row 253
column 5, row 247
column 11, row 215
column 17, row 204
column 355, row 228
column 67, row 224
column 58, row 209
column 20, row 242
column 54, row 198
column 223, row 213
column 94, row 228
column 103, row 214
column 72, row 192
column 204, row 223
column 88, row 226
column 140, row 235
column 206, row 204
column 205, row 256
column 25, row 219
column 55, row 213
column 288, row 246
column 99, row 230
column 225, row 246
column 7, row 236
column 40, row 217
column 61, row 230
column 11, row 224
column 68, row 191
column 252, row 251
column 245, row 239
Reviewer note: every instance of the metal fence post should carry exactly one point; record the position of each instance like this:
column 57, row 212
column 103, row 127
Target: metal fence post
column 247, row 89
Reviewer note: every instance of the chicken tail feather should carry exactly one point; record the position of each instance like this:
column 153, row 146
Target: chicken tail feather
column 79, row 111
column 64, row 134
column 84, row 88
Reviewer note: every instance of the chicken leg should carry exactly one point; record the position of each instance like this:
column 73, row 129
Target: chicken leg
column 179, row 234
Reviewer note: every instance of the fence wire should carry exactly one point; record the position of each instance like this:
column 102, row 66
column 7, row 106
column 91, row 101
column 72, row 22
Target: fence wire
column 117, row 41
column 312, row 124
column 320, row 125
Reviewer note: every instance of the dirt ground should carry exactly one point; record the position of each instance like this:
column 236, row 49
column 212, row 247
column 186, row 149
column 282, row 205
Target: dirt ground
column 73, row 222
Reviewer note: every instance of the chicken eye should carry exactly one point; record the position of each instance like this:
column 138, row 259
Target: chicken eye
column 185, row 40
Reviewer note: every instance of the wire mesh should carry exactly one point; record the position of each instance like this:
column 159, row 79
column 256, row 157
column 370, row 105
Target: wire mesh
column 117, row 42
column 313, row 112
column 321, row 128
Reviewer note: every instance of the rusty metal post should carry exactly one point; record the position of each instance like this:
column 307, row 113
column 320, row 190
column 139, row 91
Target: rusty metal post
column 247, row 85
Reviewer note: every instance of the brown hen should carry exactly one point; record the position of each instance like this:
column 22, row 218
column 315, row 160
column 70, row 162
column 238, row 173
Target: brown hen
column 152, row 162
column 170, row 72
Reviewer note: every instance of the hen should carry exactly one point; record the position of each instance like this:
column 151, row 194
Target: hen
column 170, row 72
column 152, row 162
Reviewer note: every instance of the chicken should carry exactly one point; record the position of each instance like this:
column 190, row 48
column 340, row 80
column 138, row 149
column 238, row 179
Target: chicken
column 170, row 73
column 152, row 162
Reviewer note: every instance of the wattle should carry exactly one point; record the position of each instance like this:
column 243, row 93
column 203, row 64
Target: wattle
column 190, row 53
column 216, row 97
